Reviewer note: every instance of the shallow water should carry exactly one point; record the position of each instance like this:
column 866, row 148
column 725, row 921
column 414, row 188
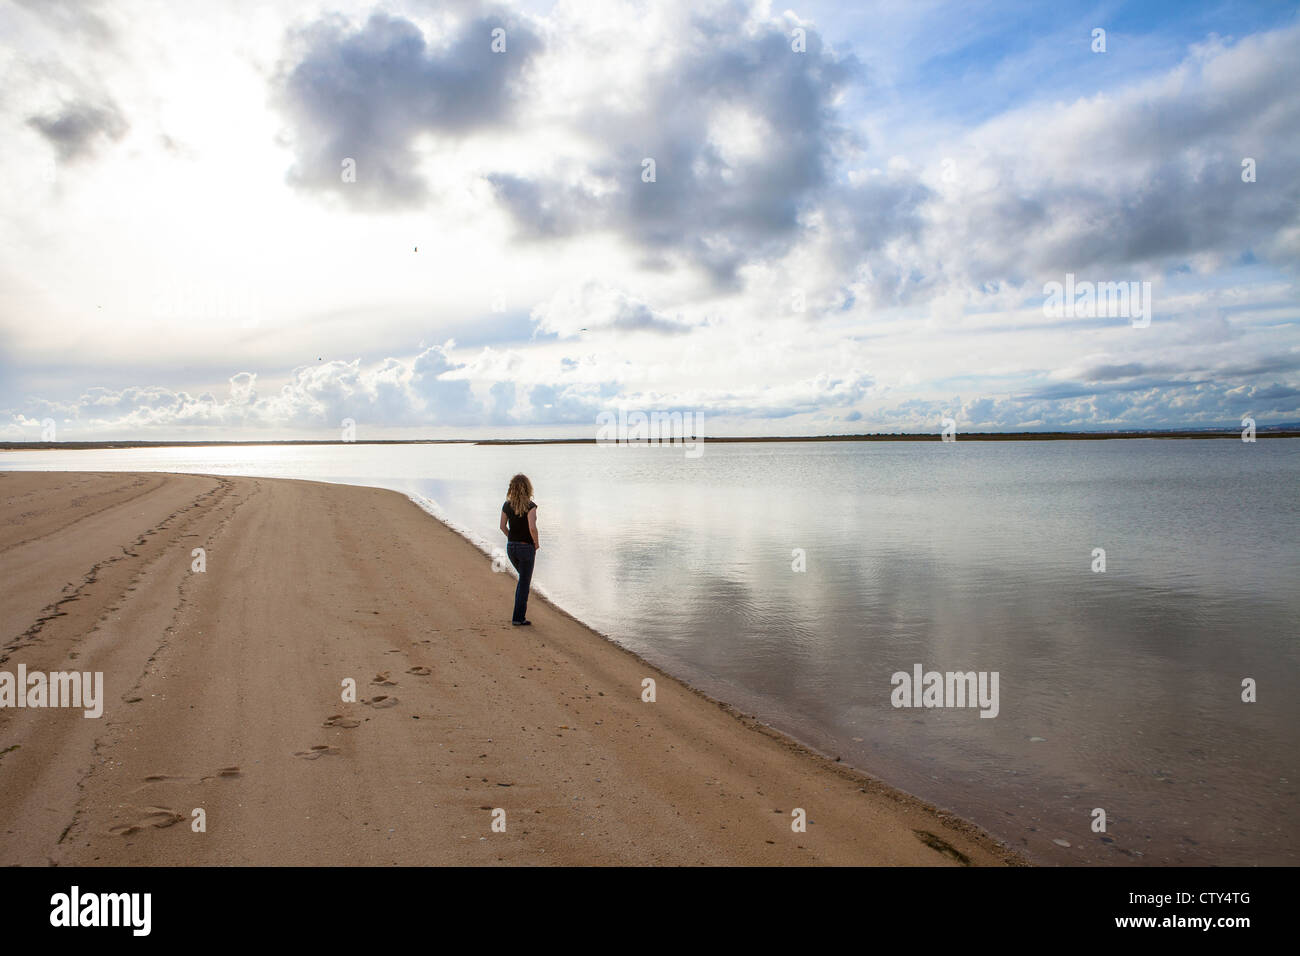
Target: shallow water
column 1118, row 690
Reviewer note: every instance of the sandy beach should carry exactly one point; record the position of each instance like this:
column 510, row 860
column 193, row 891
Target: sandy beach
column 223, row 692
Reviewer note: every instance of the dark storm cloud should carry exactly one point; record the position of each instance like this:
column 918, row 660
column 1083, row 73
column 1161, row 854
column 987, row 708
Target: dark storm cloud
column 79, row 129
column 366, row 93
column 715, row 208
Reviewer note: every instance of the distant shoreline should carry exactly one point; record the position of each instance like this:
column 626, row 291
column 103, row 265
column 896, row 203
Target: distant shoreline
column 902, row 436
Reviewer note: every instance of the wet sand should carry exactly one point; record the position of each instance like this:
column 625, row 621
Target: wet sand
column 223, row 693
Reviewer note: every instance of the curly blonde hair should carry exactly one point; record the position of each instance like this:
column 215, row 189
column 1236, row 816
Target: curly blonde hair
column 520, row 493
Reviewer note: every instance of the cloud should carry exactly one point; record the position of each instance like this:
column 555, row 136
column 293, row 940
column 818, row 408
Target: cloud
column 742, row 131
column 430, row 391
column 393, row 393
column 78, row 129
column 76, row 17
column 449, row 399
column 755, row 159
column 1108, row 373
column 1123, row 184
column 368, row 93
column 1166, row 404
column 544, row 210
column 592, row 308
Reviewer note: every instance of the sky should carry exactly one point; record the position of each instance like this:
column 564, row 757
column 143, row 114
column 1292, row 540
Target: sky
column 256, row 221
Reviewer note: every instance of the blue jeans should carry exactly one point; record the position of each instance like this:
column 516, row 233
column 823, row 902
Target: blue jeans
column 522, row 555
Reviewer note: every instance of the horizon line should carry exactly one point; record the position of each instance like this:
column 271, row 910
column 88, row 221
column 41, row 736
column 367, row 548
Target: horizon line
column 1288, row 430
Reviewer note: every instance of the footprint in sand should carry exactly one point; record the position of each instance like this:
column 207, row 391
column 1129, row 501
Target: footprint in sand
column 142, row 817
column 383, row 678
column 380, row 701
column 420, row 670
column 319, row 750
column 338, row 720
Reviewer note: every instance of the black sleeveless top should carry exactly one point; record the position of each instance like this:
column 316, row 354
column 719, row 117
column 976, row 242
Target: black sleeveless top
column 517, row 525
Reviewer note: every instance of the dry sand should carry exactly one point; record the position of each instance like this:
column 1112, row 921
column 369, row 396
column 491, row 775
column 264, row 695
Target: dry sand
column 223, row 692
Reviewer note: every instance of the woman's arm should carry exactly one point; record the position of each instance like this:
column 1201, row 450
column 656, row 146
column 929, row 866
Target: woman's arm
column 503, row 524
column 532, row 526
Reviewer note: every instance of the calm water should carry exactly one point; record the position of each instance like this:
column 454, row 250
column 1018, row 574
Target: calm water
column 1119, row 690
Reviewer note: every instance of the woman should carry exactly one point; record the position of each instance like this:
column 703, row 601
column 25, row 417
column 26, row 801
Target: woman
column 519, row 525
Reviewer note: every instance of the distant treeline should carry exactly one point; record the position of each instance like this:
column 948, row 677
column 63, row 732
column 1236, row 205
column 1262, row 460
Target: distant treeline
column 34, row 445
column 921, row 436
column 1265, row 432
